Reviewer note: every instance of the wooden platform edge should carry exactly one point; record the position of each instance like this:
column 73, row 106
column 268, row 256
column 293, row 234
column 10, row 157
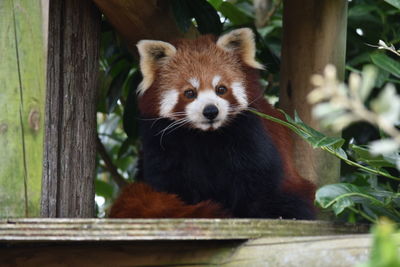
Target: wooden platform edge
column 61, row 230
column 338, row 250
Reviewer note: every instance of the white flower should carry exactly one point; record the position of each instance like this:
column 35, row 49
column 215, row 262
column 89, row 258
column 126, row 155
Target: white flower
column 382, row 45
column 383, row 146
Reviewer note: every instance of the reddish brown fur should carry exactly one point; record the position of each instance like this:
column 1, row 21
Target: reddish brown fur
column 139, row 200
column 281, row 135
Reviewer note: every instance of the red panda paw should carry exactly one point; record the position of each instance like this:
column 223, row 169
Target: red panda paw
column 139, row 200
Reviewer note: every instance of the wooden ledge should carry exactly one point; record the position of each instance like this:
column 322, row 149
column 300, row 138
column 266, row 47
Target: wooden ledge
column 43, row 230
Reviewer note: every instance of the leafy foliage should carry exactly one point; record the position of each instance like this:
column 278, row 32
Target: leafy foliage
column 370, row 187
column 365, row 196
column 117, row 125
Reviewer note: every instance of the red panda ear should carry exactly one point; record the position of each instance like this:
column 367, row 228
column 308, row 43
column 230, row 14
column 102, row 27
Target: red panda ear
column 152, row 55
column 241, row 41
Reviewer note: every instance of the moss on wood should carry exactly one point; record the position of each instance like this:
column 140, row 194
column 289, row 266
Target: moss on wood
column 22, row 90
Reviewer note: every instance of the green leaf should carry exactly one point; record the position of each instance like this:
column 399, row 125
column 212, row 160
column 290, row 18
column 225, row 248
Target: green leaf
column 395, row 3
column 130, row 116
column 374, row 202
column 363, row 154
column 267, row 56
column 115, row 90
column 282, row 122
column 382, row 78
column 247, row 8
column 339, row 151
column 234, row 14
column 312, row 136
column 216, row 3
column 305, row 127
column 333, row 194
column 317, row 141
column 360, row 10
column 315, row 138
column 341, row 205
column 104, row 85
column 124, row 163
column 104, row 189
column 124, row 149
column 207, row 18
column 329, row 194
column 385, row 62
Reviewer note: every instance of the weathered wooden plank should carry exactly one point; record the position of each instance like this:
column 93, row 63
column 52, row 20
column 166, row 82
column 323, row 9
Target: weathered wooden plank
column 164, row 229
column 70, row 147
column 316, row 251
column 314, row 34
column 22, row 89
column 275, row 252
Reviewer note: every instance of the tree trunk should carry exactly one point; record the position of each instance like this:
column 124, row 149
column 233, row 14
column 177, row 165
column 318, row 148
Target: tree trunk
column 70, row 146
column 314, row 34
column 22, row 90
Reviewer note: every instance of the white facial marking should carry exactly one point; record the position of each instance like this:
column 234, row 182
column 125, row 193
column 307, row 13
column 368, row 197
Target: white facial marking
column 215, row 80
column 168, row 101
column 194, row 82
column 195, row 109
column 240, row 94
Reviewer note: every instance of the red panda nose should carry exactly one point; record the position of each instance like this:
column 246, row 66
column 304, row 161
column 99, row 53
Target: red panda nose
column 210, row 112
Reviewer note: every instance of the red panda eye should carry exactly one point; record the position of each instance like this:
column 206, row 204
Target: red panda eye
column 190, row 93
column 220, row 90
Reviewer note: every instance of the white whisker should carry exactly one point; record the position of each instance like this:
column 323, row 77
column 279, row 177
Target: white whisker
column 171, row 126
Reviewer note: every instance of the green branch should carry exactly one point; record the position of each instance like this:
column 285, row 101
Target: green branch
column 305, row 135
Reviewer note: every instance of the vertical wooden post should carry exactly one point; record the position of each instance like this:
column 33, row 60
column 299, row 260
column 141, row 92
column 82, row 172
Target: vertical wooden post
column 70, row 146
column 314, row 35
column 22, row 90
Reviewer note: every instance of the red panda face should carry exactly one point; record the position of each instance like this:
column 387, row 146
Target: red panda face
column 204, row 88
column 199, row 83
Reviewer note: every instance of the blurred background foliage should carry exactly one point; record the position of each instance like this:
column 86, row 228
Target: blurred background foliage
column 385, row 246
column 368, row 22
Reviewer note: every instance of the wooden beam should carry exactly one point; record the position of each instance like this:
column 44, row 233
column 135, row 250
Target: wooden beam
column 143, row 19
column 343, row 250
column 22, row 98
column 40, row 230
column 70, row 147
column 314, row 34
column 180, row 242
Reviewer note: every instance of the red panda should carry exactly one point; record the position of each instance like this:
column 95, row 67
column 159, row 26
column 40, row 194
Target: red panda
column 201, row 143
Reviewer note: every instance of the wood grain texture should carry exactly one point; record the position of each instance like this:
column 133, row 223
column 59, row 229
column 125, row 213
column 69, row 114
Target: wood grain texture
column 142, row 19
column 164, row 229
column 314, row 35
column 70, row 148
column 333, row 251
column 313, row 251
column 22, row 98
